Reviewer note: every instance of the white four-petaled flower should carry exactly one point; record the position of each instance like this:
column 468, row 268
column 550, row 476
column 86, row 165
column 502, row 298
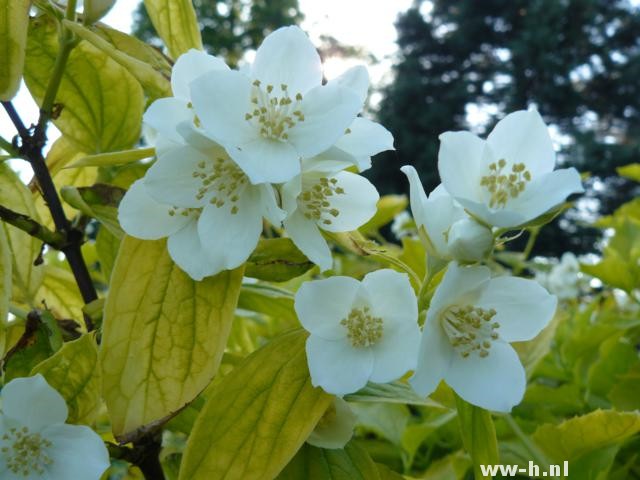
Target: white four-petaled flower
column 508, row 179
column 360, row 331
column 35, row 442
column 465, row 340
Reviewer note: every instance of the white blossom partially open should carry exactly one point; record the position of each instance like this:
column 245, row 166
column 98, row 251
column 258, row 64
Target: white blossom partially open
column 509, row 179
column 360, row 331
column 335, row 428
column 465, row 340
column 35, row 442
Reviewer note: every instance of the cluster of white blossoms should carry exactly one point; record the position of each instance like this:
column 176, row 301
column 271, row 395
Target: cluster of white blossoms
column 268, row 142
column 35, row 441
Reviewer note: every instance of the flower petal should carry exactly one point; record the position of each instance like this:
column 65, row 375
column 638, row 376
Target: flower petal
column 229, row 239
column 356, row 206
column 392, row 298
column 142, row 217
column 503, row 217
column 337, row 430
column 523, row 307
column 462, row 161
column 460, row 285
column 496, row 382
column 417, row 195
column 221, row 99
column 270, row 209
column 336, row 366
column 189, row 254
column 357, row 79
column 307, row 237
column 33, row 403
column 328, row 111
column 434, row 358
column 190, row 66
column 322, row 304
column 77, row 452
column 365, row 139
column 396, row 352
column 523, row 137
column 265, row 160
column 288, row 57
column 165, row 114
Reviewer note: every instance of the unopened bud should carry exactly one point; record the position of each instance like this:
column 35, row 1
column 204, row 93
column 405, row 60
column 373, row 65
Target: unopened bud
column 468, row 241
column 94, row 10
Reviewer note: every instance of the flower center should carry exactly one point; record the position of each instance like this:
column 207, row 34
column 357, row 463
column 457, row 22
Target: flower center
column 503, row 186
column 224, row 182
column 363, row 329
column 314, row 199
column 470, row 329
column 25, row 453
column 185, row 212
column 274, row 113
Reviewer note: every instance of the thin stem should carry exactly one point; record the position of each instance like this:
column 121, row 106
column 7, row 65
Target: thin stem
column 8, row 147
column 33, row 228
column 537, row 454
column 531, row 241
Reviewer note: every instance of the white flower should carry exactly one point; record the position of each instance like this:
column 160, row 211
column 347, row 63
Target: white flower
column 451, row 233
column 35, row 442
column 278, row 114
column 564, row 279
column 403, row 225
column 335, row 428
column 320, row 200
column 360, row 331
column 465, row 340
column 507, row 180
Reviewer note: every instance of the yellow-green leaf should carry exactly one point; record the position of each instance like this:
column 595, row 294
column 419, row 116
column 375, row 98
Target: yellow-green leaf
column 163, row 335
column 102, row 103
column 99, row 201
column 257, row 417
column 176, row 23
column 14, row 18
column 580, row 435
column 5, row 288
column 59, row 291
column 388, row 207
column 478, row 435
column 113, row 158
column 351, row 463
column 277, row 260
column 73, row 372
column 24, row 249
column 631, row 171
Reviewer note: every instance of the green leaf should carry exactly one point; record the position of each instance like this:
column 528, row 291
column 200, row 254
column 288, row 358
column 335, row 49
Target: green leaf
column 392, row 392
column 113, row 158
column 387, row 420
column 176, row 23
column 351, row 463
column 14, row 19
column 452, row 467
column 163, row 335
column 631, row 171
column 25, row 249
column 99, row 201
column 5, row 288
column 107, row 245
column 478, row 435
column 96, row 116
column 59, row 291
column 73, row 372
column 277, row 260
column 580, row 435
column 388, row 207
column 257, row 417
column 274, row 302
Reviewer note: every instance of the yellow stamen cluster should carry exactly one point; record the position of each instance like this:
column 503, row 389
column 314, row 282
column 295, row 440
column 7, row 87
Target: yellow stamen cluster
column 314, row 200
column 275, row 114
column 225, row 181
column 185, row 212
column 363, row 329
column 26, row 453
column 503, row 186
column 470, row 329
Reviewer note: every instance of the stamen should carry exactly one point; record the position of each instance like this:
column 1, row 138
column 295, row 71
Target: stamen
column 503, row 186
column 313, row 201
column 363, row 329
column 26, row 452
column 275, row 114
column 470, row 329
column 221, row 179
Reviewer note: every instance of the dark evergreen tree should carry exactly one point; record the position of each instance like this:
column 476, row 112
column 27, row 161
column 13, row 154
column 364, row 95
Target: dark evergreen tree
column 578, row 61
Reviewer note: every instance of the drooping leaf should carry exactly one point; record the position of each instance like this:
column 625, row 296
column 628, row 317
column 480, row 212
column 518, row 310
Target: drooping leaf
column 257, row 417
column 393, row 392
column 163, row 335
column 14, row 19
column 73, row 371
column 176, row 23
column 99, row 201
column 478, row 435
column 113, row 158
column 277, row 260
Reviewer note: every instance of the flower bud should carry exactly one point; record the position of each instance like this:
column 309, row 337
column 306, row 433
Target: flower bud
column 335, row 428
column 94, row 10
column 468, row 241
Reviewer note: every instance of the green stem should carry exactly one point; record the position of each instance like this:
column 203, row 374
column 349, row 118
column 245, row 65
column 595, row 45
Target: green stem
column 8, row 147
column 538, row 455
column 531, row 241
column 33, row 228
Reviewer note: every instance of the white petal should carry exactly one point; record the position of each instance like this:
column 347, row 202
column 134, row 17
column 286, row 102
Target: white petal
column 77, row 452
column 266, row 160
column 221, row 99
column 336, row 366
column 289, row 194
column 392, row 298
column 189, row 254
column 165, row 114
column 503, row 217
column 356, row 206
column 460, row 285
column 546, row 192
column 190, row 66
column 322, row 304
column 142, row 217
column 357, row 79
column 170, row 179
column 434, row 358
column 417, row 195
column 269, row 202
column 496, row 382
column 522, row 137
column 462, row 161
column 328, row 112
column 229, row 239
column 365, row 139
column 307, row 237
column 396, row 352
column 33, row 403
column 330, row 161
column 441, row 213
column 338, row 430
column 288, row 57
column 523, row 307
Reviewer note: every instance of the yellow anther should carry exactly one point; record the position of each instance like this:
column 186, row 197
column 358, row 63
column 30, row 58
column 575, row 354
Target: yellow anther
column 363, row 329
column 470, row 329
column 504, row 186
